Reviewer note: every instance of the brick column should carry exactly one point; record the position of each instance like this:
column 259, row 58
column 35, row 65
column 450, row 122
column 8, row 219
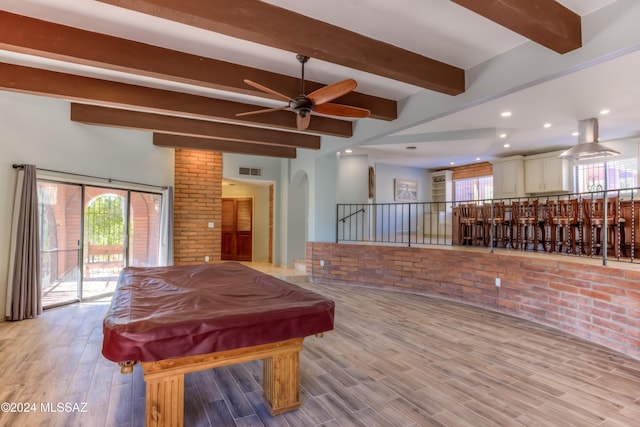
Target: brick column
column 197, row 201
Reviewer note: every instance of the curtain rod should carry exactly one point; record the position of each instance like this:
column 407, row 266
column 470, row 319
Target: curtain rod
column 16, row 166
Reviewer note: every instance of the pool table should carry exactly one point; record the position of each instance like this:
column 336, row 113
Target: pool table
column 180, row 319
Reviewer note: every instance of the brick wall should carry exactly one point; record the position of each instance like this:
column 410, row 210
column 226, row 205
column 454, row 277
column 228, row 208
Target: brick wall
column 469, row 171
column 197, row 201
column 578, row 296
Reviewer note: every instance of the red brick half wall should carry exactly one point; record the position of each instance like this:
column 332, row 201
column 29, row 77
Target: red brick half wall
column 576, row 295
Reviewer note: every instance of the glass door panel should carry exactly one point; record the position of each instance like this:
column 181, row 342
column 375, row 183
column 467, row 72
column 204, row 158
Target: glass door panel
column 60, row 207
column 85, row 241
column 105, row 216
column 144, row 229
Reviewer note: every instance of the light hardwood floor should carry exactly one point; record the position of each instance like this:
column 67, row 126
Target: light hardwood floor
column 393, row 359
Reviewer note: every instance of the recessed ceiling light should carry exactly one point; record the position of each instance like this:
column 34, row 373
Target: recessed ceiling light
column 411, row 147
column 503, row 135
column 506, row 114
column 348, row 150
column 452, row 163
column 575, row 134
column 605, row 111
column 506, row 145
column 477, row 158
column 547, row 125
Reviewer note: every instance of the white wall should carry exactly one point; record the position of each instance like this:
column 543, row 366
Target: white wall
column 323, row 185
column 353, row 179
column 37, row 130
column 386, row 174
column 297, row 218
column 270, row 167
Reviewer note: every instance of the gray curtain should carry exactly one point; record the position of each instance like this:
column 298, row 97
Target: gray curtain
column 166, row 227
column 24, row 290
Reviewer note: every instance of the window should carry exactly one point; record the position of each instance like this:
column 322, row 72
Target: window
column 613, row 175
column 476, row 188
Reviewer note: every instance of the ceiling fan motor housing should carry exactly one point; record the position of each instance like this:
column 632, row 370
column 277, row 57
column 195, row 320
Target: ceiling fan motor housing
column 301, row 105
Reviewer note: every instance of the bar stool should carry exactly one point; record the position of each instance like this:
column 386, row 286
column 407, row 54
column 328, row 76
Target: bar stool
column 496, row 224
column 594, row 210
column 509, row 235
column 464, row 225
column 580, row 228
column 544, row 225
column 562, row 216
column 471, row 225
column 526, row 219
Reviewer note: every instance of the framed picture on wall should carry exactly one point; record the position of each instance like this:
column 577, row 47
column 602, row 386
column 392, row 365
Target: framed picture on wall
column 406, row 190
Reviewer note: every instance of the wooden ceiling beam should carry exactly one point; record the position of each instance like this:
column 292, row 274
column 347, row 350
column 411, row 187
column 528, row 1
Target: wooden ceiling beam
column 71, row 87
column 54, row 41
column 115, row 117
column 269, row 25
column 546, row 22
column 195, row 143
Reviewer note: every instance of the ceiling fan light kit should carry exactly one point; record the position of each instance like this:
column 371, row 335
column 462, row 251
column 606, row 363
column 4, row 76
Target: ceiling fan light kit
column 318, row 101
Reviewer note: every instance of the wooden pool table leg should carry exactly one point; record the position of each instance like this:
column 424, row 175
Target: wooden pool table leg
column 165, row 400
column 165, row 379
column 281, row 379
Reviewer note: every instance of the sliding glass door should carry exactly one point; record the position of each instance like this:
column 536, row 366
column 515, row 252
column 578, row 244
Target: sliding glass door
column 89, row 233
column 60, row 212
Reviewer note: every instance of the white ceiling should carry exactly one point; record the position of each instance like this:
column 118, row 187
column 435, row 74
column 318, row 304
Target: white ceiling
column 439, row 29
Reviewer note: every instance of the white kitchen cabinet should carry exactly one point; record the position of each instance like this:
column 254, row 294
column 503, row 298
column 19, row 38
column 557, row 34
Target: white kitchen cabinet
column 508, row 177
column 546, row 173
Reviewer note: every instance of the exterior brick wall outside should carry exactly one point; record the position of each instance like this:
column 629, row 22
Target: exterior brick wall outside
column 197, row 201
column 581, row 296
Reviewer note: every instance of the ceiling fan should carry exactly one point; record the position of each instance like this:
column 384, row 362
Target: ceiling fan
column 317, row 101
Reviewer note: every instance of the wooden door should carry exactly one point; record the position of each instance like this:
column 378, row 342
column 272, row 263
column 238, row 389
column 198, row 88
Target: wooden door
column 237, row 229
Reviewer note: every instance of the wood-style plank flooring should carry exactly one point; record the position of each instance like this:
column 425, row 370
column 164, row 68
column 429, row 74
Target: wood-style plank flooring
column 393, row 359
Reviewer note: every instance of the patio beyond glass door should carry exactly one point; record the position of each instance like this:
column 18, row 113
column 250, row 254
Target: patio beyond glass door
column 105, row 219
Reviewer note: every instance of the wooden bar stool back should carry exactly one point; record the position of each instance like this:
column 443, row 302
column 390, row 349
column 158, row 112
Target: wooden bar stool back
column 595, row 210
column 471, row 225
column 526, row 218
column 563, row 217
column 495, row 224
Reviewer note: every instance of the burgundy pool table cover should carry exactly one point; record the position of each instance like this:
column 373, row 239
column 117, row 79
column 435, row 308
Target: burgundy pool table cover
column 159, row 313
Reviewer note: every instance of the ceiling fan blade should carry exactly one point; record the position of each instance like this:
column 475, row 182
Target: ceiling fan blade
column 303, row 122
column 267, row 110
column 267, row 90
column 332, row 91
column 340, row 110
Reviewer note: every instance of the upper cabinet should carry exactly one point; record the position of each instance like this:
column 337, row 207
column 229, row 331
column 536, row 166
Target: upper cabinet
column 546, row 173
column 508, row 177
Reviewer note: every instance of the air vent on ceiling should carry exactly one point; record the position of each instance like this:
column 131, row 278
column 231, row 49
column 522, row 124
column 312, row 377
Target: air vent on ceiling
column 250, row 171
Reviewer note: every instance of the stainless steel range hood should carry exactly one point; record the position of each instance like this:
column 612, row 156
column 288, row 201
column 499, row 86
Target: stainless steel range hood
column 588, row 146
